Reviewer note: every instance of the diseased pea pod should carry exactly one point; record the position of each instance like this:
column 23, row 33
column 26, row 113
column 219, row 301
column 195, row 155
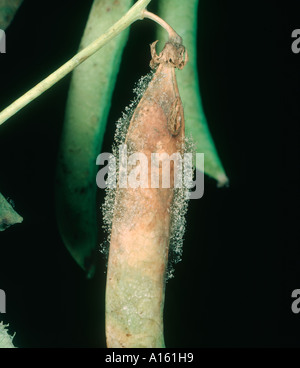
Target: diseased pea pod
column 142, row 216
column 5, row 338
column 182, row 16
column 87, row 110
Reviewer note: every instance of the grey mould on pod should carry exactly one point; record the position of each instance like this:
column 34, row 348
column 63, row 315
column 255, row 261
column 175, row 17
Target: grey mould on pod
column 8, row 216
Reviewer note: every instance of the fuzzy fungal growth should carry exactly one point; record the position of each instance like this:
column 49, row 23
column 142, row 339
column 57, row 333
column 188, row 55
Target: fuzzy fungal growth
column 144, row 220
column 180, row 203
column 5, row 338
column 119, row 139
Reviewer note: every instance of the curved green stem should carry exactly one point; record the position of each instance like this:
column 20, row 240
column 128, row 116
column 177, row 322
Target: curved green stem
column 172, row 34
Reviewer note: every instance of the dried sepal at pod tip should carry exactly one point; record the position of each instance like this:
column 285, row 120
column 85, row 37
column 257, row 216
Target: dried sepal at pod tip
column 172, row 55
column 142, row 216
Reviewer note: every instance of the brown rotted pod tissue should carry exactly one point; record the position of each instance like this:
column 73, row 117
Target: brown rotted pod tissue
column 142, row 219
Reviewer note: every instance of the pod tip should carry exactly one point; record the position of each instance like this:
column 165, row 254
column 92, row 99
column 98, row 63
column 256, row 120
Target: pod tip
column 222, row 181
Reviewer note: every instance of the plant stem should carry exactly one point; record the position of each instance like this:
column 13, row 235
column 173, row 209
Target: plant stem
column 135, row 13
column 173, row 36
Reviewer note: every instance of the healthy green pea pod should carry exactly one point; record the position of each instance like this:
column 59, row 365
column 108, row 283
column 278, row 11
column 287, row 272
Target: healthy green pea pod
column 182, row 16
column 87, row 110
column 5, row 338
column 8, row 216
column 8, row 9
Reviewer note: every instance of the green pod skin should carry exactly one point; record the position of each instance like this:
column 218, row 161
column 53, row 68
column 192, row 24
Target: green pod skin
column 8, row 216
column 87, row 110
column 182, row 16
column 8, row 9
column 5, row 338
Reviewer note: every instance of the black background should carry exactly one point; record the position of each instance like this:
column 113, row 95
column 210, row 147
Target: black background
column 241, row 258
